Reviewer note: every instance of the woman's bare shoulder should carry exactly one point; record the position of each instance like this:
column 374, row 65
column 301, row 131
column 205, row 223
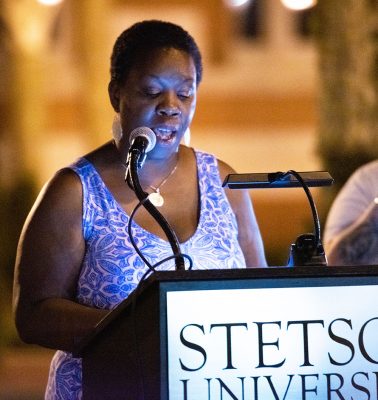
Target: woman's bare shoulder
column 224, row 169
column 63, row 187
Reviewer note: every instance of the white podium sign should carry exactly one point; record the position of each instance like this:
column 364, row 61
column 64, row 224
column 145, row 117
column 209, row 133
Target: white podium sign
column 273, row 343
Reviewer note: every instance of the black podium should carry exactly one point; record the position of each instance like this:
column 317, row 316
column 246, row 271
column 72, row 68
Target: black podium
column 127, row 355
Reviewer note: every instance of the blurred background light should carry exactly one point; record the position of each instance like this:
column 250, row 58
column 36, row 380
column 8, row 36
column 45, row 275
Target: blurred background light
column 299, row 4
column 237, row 3
column 49, row 2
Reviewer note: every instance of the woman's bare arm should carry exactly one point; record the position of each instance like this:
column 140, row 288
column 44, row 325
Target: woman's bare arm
column 49, row 257
column 248, row 231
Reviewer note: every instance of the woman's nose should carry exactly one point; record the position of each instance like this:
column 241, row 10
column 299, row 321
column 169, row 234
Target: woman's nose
column 168, row 106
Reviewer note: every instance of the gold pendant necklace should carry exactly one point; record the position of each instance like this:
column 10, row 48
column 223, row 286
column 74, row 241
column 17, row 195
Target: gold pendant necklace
column 155, row 197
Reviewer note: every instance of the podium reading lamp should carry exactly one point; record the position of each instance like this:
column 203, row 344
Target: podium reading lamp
column 308, row 248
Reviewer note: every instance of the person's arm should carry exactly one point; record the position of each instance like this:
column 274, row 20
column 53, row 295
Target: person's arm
column 358, row 243
column 49, row 257
column 249, row 235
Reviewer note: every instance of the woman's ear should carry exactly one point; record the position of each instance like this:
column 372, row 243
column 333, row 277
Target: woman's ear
column 113, row 90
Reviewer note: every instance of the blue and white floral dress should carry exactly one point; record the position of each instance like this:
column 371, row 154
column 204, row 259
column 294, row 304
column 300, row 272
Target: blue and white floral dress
column 111, row 268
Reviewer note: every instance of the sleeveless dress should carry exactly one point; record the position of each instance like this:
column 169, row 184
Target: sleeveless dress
column 111, row 268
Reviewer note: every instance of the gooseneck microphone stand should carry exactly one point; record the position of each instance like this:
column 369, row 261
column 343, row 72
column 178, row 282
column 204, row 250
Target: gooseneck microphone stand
column 132, row 179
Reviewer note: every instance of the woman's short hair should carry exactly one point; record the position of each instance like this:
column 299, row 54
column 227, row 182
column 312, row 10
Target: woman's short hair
column 136, row 42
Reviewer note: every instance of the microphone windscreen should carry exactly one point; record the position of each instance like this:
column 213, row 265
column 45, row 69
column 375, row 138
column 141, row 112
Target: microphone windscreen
column 144, row 131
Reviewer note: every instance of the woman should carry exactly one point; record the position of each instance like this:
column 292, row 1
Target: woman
column 75, row 260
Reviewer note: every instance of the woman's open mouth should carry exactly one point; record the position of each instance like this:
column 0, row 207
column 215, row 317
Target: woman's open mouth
column 165, row 135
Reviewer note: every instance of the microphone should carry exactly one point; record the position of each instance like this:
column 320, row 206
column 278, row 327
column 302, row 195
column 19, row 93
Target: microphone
column 142, row 140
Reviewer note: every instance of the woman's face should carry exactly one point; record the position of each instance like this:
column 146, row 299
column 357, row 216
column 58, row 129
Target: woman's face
column 159, row 93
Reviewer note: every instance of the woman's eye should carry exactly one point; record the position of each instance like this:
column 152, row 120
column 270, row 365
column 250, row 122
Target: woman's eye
column 185, row 94
column 151, row 92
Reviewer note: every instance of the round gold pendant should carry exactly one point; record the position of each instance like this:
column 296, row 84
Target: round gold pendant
column 156, row 199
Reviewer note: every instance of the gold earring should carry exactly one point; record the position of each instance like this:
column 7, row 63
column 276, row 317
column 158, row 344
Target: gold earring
column 186, row 137
column 117, row 128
